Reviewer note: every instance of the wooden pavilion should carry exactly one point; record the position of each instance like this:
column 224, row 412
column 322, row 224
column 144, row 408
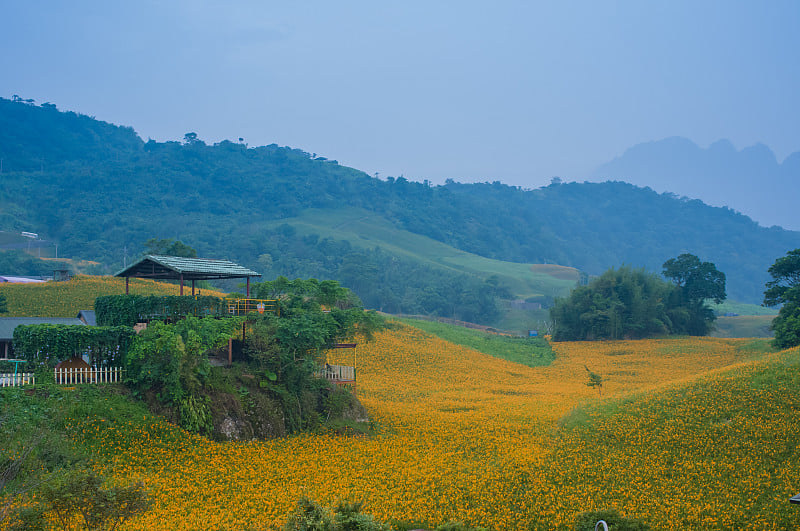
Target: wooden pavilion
column 158, row 267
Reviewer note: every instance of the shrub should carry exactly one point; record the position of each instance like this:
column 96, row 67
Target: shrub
column 80, row 495
column 347, row 516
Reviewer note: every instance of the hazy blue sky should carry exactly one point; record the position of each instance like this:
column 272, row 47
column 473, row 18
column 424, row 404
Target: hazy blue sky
column 511, row 91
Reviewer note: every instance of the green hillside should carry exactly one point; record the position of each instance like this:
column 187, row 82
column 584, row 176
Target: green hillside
column 457, row 250
column 367, row 230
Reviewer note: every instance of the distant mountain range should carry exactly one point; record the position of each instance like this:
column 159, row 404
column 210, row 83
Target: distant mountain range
column 750, row 181
column 99, row 192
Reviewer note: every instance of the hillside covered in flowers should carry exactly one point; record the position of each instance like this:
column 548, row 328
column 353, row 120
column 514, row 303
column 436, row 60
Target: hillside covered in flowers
column 693, row 433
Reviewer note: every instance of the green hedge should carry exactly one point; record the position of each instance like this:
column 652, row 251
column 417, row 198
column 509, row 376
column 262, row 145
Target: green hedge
column 48, row 344
column 127, row 310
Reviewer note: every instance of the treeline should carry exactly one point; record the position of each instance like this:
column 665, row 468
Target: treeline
column 106, row 191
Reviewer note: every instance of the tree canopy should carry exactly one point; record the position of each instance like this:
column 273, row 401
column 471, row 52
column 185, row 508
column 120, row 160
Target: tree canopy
column 696, row 283
column 168, row 247
column 784, row 290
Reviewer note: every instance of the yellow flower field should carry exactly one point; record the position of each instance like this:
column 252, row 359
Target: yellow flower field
column 66, row 299
column 463, row 436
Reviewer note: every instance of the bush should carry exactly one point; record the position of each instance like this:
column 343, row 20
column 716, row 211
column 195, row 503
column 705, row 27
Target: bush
column 80, row 495
column 347, row 516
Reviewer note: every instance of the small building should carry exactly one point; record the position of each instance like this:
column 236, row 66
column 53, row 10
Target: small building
column 88, row 317
column 8, row 324
column 61, row 275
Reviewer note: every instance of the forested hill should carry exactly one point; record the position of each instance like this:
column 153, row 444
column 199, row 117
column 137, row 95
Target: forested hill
column 97, row 189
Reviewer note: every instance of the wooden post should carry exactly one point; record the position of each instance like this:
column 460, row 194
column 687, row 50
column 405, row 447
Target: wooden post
column 230, row 351
column 127, row 283
column 181, row 283
column 192, row 287
column 248, row 287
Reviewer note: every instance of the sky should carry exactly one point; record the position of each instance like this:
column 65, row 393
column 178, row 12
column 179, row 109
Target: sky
column 518, row 92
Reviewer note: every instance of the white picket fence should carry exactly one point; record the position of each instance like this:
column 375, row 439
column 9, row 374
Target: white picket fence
column 67, row 376
column 16, row 380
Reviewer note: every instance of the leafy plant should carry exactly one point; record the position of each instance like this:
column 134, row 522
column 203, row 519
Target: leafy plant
column 127, row 310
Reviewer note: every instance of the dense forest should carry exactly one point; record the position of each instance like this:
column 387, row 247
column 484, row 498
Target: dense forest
column 100, row 192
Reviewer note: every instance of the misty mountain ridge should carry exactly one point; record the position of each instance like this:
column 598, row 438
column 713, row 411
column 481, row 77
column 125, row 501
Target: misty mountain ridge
column 745, row 180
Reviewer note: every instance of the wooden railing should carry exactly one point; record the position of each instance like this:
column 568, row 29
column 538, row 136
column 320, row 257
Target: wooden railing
column 338, row 373
column 245, row 306
column 68, row 376
column 18, row 379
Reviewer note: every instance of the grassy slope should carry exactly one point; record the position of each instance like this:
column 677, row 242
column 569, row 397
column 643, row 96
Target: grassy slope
column 743, row 326
column 365, row 229
column 66, row 299
column 532, row 352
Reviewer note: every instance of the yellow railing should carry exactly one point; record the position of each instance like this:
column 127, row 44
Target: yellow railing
column 245, row 306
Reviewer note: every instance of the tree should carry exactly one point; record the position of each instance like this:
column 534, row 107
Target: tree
column 697, row 282
column 595, row 380
column 784, row 289
column 168, row 247
column 785, row 284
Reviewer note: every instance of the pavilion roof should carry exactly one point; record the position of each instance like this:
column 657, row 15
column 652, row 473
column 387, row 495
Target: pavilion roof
column 160, row 267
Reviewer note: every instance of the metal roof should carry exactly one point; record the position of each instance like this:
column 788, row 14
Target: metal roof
column 88, row 317
column 173, row 267
column 8, row 324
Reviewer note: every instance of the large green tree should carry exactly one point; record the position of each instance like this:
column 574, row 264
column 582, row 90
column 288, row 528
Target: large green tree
column 784, row 290
column 697, row 282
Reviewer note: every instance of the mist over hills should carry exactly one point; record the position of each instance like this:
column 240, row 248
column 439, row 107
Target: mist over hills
column 750, row 180
column 100, row 192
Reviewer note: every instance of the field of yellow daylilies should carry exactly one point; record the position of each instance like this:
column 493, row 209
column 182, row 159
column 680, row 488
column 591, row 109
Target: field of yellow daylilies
column 60, row 299
column 684, row 434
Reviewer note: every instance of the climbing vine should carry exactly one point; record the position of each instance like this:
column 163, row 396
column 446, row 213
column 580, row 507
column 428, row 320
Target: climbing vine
column 127, row 310
column 48, row 344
